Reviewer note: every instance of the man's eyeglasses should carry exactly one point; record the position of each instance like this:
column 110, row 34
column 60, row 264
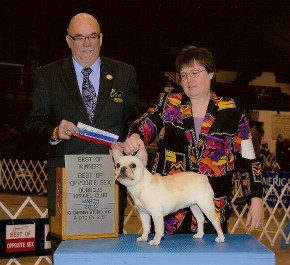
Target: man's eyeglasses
column 81, row 38
column 192, row 74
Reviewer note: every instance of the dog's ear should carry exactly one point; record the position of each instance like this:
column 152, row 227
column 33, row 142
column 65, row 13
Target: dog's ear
column 115, row 153
column 142, row 154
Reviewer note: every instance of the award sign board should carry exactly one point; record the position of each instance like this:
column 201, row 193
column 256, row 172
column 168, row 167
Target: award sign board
column 86, row 198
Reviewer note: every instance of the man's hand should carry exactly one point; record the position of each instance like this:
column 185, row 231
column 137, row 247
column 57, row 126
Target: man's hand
column 66, row 130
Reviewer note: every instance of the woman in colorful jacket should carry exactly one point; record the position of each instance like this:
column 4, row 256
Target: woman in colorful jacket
column 201, row 132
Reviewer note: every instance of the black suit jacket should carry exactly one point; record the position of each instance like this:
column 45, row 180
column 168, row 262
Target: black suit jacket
column 57, row 97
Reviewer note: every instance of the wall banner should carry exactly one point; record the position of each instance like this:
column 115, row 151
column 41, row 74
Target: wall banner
column 279, row 180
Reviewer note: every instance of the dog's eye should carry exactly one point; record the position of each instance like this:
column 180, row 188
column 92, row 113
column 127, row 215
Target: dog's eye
column 133, row 165
column 117, row 165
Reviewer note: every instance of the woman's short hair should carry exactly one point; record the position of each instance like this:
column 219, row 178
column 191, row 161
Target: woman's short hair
column 188, row 55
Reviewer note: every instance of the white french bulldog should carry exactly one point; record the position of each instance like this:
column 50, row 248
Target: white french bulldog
column 158, row 195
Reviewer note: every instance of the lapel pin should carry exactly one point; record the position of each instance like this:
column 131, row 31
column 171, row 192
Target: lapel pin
column 118, row 100
column 109, row 77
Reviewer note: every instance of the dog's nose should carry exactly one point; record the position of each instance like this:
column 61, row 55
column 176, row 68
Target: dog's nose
column 123, row 170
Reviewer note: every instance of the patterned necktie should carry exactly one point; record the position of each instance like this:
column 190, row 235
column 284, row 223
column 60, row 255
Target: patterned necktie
column 89, row 93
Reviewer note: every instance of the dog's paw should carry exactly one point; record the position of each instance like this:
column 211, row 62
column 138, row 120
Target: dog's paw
column 220, row 239
column 142, row 238
column 154, row 242
column 198, row 235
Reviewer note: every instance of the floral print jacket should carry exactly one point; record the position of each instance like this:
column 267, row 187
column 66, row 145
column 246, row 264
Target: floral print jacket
column 223, row 147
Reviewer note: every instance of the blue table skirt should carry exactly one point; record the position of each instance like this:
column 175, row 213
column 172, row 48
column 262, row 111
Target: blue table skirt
column 174, row 249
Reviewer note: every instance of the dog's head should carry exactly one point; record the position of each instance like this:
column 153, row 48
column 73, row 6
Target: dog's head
column 129, row 169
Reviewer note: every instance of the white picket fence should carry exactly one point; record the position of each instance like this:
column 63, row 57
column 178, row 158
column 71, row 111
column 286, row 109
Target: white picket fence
column 31, row 177
column 23, row 176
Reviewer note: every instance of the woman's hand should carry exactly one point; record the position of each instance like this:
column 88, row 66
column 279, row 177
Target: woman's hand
column 132, row 144
column 255, row 215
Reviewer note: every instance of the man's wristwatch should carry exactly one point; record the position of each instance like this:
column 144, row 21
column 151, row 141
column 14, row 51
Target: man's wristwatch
column 54, row 135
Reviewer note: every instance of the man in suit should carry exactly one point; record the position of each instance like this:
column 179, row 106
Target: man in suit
column 58, row 103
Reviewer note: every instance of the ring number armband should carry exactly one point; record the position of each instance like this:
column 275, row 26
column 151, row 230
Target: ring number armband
column 54, row 135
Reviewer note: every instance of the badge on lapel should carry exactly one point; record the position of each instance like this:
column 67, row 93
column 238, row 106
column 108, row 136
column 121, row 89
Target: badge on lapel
column 109, row 77
column 116, row 95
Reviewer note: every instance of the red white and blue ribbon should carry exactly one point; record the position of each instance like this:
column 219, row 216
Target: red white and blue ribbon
column 95, row 135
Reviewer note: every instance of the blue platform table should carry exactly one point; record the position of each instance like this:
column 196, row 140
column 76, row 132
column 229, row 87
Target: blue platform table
column 174, row 249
